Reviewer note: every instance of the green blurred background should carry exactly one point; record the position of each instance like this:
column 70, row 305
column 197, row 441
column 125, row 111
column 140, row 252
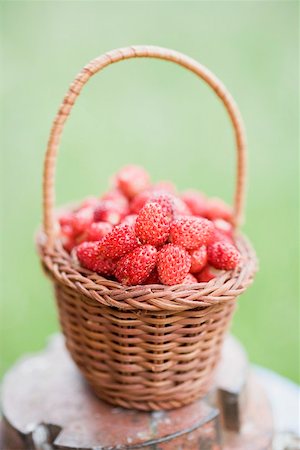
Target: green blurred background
column 158, row 115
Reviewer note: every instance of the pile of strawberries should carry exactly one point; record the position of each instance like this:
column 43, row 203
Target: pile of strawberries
column 143, row 233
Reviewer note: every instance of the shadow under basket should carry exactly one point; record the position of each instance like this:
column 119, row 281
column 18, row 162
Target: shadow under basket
column 144, row 347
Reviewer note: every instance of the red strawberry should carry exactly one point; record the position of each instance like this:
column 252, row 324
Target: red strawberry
column 191, row 232
column 67, row 230
column 190, row 279
column 118, row 199
column 82, row 219
column 153, row 224
column 130, row 220
column 108, row 211
column 139, row 201
column 173, row 264
column 90, row 201
column 90, row 257
column 66, row 219
column 196, row 202
column 118, row 242
column 132, row 180
column 135, row 267
column 162, row 197
column 153, row 278
column 180, row 208
column 220, row 236
column 224, row 226
column 165, row 200
column 97, row 230
column 166, row 186
column 199, row 259
column 68, row 243
column 217, row 209
column 206, row 274
column 223, row 255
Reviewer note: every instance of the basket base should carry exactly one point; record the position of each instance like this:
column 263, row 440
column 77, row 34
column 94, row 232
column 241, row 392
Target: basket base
column 42, row 406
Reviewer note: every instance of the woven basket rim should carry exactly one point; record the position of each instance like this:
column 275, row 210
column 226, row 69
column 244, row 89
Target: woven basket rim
column 227, row 285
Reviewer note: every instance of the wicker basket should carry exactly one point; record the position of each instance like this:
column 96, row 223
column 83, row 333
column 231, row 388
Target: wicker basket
column 144, row 347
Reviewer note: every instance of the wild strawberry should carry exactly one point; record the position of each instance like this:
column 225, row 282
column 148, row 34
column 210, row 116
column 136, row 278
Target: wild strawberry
column 66, row 219
column 217, row 209
column 139, row 201
column 165, row 200
column 180, row 208
column 118, row 199
column 224, row 226
column 199, row 259
column 97, row 230
column 68, row 243
column 189, row 279
column 108, row 211
column 67, row 230
column 132, row 180
column 135, row 267
column 220, row 236
column 223, row 255
column 118, row 242
column 153, row 224
column 196, row 202
column 90, row 201
column 166, row 186
column 153, row 278
column 206, row 274
column 162, row 197
column 129, row 220
column 173, row 264
column 90, row 257
column 191, row 232
column 82, row 219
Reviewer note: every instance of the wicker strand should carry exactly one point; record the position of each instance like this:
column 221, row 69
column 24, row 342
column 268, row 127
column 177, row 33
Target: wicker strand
column 100, row 63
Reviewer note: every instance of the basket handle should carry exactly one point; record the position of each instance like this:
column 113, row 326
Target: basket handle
column 100, row 63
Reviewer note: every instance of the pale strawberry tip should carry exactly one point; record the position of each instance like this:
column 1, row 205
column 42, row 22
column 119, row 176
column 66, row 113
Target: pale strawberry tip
column 132, row 180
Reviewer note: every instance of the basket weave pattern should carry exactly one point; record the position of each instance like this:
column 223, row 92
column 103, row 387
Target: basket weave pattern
column 144, row 347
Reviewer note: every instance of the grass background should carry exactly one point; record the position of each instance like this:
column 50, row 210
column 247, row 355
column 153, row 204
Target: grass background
column 160, row 116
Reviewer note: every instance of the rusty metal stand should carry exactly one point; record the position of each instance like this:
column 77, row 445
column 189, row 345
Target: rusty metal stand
column 47, row 405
